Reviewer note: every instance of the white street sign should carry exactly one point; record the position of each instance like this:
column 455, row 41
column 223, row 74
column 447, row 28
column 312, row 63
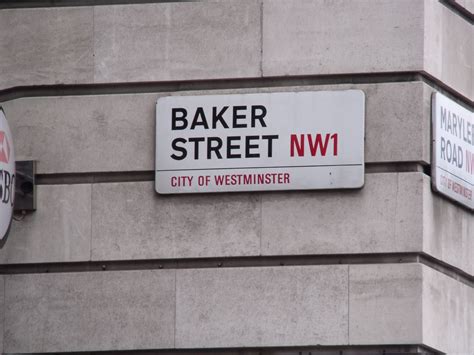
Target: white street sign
column 453, row 150
column 256, row 142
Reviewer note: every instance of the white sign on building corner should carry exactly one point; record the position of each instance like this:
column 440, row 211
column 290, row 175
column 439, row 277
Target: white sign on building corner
column 7, row 177
column 260, row 142
column 452, row 168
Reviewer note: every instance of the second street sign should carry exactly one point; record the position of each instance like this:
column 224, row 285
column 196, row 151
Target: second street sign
column 452, row 169
column 260, row 142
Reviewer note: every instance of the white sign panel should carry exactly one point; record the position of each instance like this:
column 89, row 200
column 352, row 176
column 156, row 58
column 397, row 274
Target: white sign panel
column 255, row 142
column 453, row 150
column 7, row 177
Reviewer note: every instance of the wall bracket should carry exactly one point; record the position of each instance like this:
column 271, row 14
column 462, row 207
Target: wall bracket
column 25, row 186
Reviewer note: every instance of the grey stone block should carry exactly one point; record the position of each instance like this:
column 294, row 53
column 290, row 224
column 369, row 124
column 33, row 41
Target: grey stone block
column 42, row 46
column 90, row 311
column 131, row 221
column 85, row 133
column 448, row 313
column 384, row 216
column 271, row 306
column 2, row 311
column 226, row 39
column 397, row 122
column 385, row 304
column 449, row 47
column 470, row 327
column 448, row 230
column 317, row 37
column 177, row 41
column 131, row 43
column 65, row 133
column 58, row 231
column 320, row 37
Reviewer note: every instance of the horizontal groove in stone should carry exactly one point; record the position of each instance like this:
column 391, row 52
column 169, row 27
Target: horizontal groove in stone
column 459, row 10
column 441, row 87
column 223, row 84
column 407, row 349
column 93, row 178
column 446, row 269
column 394, row 167
column 15, row 4
column 233, row 262
column 24, row 4
column 130, row 176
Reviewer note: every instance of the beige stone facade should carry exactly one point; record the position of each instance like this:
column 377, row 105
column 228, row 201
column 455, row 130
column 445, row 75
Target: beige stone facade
column 107, row 264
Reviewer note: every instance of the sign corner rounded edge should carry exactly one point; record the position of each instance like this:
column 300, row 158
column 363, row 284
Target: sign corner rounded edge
column 361, row 185
column 161, row 99
column 360, row 92
column 158, row 190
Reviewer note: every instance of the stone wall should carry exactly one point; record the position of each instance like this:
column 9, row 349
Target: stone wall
column 107, row 264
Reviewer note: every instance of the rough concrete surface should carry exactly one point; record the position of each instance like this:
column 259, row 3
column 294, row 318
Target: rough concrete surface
column 2, row 311
column 321, row 37
column 385, row 304
column 470, row 328
column 131, row 221
column 130, row 43
column 202, row 40
column 65, row 134
column 46, row 46
column 89, row 311
column 177, row 41
column 384, row 216
column 397, row 124
column 379, row 304
column 394, row 212
column 449, row 48
column 448, row 230
column 448, row 313
column 245, row 307
column 58, row 231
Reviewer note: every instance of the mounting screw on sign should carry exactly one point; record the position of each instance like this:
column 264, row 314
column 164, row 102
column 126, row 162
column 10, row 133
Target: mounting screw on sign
column 7, row 178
